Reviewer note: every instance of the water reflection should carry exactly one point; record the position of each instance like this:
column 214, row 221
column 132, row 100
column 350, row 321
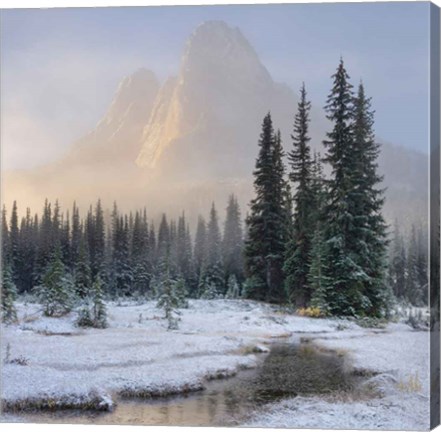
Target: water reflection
column 288, row 370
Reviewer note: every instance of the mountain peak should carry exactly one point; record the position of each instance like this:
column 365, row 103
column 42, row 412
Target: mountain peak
column 215, row 42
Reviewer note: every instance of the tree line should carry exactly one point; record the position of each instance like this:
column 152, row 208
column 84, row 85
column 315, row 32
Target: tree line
column 127, row 254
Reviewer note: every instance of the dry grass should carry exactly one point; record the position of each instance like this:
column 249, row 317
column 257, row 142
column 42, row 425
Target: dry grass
column 310, row 312
column 410, row 384
column 92, row 402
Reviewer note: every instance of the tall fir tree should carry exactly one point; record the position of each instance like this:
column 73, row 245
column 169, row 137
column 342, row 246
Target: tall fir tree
column 214, row 268
column 266, row 223
column 6, row 249
column 8, row 294
column 76, row 235
column 168, row 299
column 200, row 247
column 163, row 243
column 45, row 242
column 368, row 224
column 55, row 292
column 298, row 253
column 346, row 276
column 318, row 253
column 82, row 272
column 232, row 242
column 397, row 264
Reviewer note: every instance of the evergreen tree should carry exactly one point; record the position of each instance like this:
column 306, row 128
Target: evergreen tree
column 26, row 251
column 233, row 289
column 97, row 253
column 9, row 293
column 82, row 272
column 298, row 253
column 368, row 224
column 200, row 250
column 213, row 271
column 14, row 240
column 6, row 249
column 181, row 292
column 232, row 243
column 397, row 265
column 168, row 300
column 46, row 246
column 211, row 291
column 317, row 272
column 413, row 291
column 140, row 254
column 65, row 240
column 121, row 266
column 163, row 246
column 56, row 289
column 422, row 264
column 346, row 277
column 183, row 243
column 76, row 236
column 99, row 307
column 266, row 223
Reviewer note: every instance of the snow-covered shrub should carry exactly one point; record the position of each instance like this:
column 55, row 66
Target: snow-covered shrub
column 416, row 319
column 94, row 312
column 211, row 292
column 233, row 289
column 181, row 293
column 168, row 300
column 84, row 317
column 56, row 291
column 372, row 322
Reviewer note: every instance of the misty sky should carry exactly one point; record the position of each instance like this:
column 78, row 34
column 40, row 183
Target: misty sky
column 61, row 67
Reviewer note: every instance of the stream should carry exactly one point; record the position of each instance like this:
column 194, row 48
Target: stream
column 286, row 371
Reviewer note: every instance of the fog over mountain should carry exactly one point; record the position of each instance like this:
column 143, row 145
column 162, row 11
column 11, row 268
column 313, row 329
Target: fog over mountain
column 193, row 140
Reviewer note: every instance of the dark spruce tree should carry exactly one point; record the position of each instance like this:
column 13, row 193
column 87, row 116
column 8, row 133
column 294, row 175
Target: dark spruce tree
column 298, row 253
column 8, row 294
column 346, row 277
column 232, row 242
column 200, row 245
column 27, row 251
column 214, row 269
column 318, row 254
column 164, row 243
column 266, row 222
column 82, row 273
column 397, row 264
column 369, row 225
column 76, row 235
column 45, row 244
column 6, row 249
column 140, row 254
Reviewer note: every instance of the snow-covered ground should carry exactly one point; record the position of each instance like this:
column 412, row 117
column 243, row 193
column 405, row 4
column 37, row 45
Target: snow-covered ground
column 136, row 355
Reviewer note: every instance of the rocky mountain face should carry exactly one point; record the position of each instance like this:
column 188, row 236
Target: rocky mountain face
column 194, row 139
column 213, row 110
column 116, row 136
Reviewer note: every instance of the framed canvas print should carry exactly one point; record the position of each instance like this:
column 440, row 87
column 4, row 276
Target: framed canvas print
column 221, row 215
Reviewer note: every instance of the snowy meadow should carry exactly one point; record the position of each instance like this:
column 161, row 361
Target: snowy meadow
column 51, row 364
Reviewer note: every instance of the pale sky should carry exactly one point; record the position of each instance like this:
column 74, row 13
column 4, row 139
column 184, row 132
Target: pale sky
column 61, row 67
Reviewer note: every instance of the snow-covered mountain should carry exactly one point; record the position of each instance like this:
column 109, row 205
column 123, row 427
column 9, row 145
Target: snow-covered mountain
column 194, row 139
